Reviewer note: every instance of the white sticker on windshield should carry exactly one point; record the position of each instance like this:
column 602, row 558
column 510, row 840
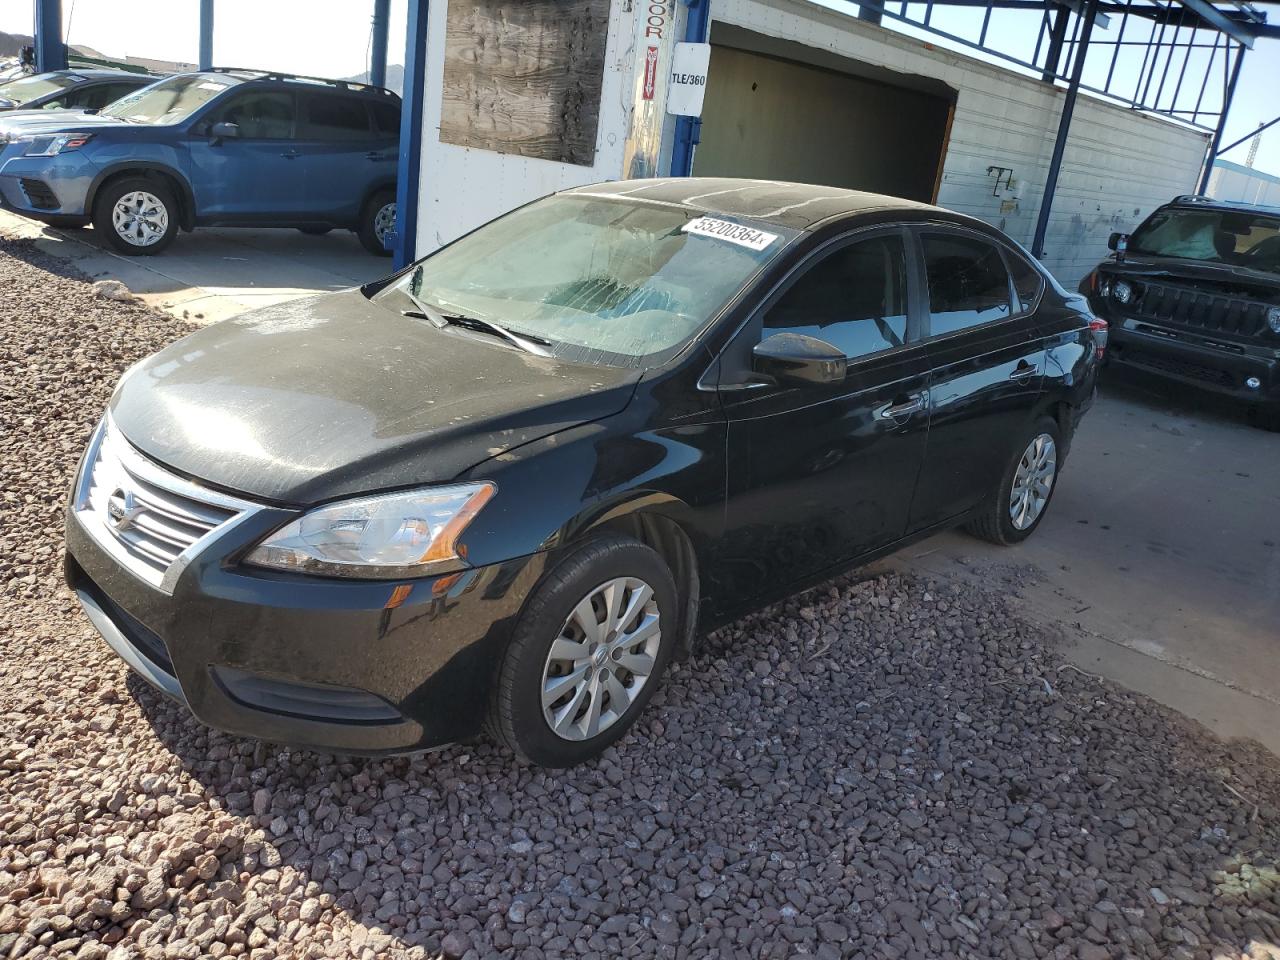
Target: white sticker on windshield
column 747, row 237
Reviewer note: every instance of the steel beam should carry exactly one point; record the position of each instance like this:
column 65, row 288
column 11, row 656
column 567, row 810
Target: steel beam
column 1064, row 129
column 51, row 51
column 206, row 34
column 409, row 173
column 1212, row 153
column 1215, row 18
column 378, row 43
column 697, row 26
column 1057, row 37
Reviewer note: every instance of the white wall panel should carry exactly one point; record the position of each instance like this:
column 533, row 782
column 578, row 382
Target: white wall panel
column 463, row 187
column 1118, row 165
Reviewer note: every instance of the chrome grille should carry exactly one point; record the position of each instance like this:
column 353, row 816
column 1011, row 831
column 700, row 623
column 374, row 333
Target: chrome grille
column 145, row 516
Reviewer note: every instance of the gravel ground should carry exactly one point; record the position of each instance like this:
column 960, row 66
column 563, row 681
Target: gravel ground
column 887, row 768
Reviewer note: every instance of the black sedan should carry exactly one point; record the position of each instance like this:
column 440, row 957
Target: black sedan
column 504, row 487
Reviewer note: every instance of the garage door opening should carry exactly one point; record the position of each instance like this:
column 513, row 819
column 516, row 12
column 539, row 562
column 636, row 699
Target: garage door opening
column 777, row 110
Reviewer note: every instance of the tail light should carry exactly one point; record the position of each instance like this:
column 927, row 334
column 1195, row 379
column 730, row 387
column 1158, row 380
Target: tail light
column 1099, row 327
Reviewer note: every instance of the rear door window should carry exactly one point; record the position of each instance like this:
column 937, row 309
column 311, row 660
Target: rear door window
column 968, row 282
column 332, row 117
column 386, row 118
column 260, row 115
column 854, row 298
column 1027, row 281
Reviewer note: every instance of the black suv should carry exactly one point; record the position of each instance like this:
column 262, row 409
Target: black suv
column 1194, row 295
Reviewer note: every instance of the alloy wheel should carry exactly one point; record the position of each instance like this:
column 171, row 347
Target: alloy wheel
column 1033, row 481
column 603, row 656
column 140, row 218
column 384, row 221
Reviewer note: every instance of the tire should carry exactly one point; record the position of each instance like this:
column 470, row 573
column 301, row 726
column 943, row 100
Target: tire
column 317, row 231
column 554, row 617
column 373, row 223
column 153, row 232
column 995, row 520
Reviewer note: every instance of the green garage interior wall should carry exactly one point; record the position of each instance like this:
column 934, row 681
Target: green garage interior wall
column 778, row 119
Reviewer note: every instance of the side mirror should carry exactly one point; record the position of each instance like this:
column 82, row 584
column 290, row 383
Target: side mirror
column 1117, row 242
column 221, row 131
column 793, row 358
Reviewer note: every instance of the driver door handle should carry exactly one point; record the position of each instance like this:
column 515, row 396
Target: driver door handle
column 290, row 154
column 1023, row 371
column 913, row 404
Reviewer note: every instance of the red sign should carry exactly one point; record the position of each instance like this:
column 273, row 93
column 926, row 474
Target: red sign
column 650, row 72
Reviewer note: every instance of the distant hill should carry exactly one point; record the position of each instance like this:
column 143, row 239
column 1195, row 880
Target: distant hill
column 11, row 45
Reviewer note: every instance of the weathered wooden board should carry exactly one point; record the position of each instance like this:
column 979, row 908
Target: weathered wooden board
column 524, row 76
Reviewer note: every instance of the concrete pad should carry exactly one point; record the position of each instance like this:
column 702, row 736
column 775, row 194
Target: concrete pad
column 1159, row 557
column 211, row 274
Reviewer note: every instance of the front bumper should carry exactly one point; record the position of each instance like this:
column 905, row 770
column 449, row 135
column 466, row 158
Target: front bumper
column 45, row 188
column 1198, row 360
column 366, row 668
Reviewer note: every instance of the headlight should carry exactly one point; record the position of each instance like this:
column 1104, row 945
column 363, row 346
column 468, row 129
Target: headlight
column 1273, row 319
column 413, row 533
column 58, row 143
column 1122, row 291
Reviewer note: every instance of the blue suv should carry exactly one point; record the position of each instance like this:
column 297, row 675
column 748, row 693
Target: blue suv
column 224, row 147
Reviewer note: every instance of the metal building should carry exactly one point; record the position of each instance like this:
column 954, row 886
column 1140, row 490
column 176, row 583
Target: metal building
column 1059, row 143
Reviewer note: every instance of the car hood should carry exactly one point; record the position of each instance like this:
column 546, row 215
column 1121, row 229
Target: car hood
column 25, row 123
column 334, row 396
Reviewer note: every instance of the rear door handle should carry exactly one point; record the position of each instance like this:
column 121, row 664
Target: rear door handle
column 908, row 407
column 290, row 154
column 1023, row 371
column 373, row 155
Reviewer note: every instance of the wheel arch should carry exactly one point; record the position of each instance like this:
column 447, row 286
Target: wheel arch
column 654, row 519
column 384, row 183
column 164, row 173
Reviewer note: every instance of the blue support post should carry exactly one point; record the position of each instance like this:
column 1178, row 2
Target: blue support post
column 688, row 129
column 378, row 51
column 409, row 174
column 1230, row 94
column 51, row 52
column 1064, row 128
column 206, row 35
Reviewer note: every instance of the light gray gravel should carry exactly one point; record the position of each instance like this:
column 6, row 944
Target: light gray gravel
column 880, row 769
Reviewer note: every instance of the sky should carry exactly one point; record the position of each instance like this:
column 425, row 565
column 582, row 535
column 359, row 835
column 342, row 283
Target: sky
column 330, row 38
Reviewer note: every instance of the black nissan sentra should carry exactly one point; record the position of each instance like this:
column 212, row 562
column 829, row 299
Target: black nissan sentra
column 504, row 487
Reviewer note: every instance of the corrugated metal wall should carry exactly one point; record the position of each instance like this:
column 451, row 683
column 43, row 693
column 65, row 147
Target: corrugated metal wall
column 1119, row 165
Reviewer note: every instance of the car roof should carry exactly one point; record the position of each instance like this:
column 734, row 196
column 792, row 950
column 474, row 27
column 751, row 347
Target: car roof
column 1197, row 202
column 298, row 81
column 106, row 74
column 800, row 206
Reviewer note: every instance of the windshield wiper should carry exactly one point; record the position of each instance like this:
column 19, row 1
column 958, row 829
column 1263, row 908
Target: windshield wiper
column 529, row 344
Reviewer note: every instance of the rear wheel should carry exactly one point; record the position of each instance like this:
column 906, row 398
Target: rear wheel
column 377, row 220
column 1015, row 508
column 587, row 653
column 137, row 215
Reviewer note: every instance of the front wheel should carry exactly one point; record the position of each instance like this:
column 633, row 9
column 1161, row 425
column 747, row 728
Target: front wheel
column 1015, row 508
column 137, row 215
column 376, row 221
column 587, row 653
